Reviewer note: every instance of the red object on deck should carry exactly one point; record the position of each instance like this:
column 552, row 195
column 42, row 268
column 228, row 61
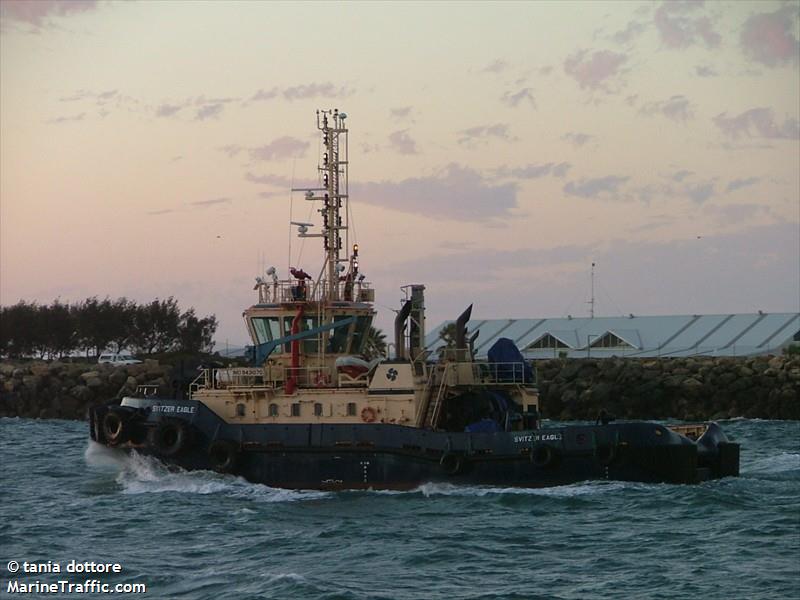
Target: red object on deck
column 291, row 382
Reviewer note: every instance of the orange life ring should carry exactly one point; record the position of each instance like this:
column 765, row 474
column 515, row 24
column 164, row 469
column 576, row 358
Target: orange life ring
column 368, row 414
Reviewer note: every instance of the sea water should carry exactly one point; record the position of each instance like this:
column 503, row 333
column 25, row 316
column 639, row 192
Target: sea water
column 204, row 535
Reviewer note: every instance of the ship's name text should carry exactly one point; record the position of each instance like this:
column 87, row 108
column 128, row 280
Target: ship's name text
column 171, row 408
column 537, row 437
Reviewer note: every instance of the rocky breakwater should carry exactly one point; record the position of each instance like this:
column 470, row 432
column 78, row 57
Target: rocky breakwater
column 766, row 387
column 59, row 390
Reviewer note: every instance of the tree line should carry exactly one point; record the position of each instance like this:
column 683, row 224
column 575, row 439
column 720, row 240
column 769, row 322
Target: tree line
column 92, row 326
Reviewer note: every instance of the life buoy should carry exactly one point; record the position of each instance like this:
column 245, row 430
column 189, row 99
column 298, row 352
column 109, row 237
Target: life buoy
column 368, row 414
column 223, row 456
column 115, row 428
column 543, row 456
column 168, row 438
column 452, row 463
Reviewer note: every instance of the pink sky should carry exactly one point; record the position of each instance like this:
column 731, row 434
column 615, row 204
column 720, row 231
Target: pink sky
column 498, row 149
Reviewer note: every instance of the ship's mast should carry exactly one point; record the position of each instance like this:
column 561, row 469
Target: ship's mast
column 334, row 179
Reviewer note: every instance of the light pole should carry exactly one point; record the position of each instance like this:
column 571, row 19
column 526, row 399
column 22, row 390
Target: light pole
column 589, row 344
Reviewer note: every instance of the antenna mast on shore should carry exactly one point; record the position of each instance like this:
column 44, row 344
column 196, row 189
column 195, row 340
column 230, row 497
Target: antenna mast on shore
column 591, row 301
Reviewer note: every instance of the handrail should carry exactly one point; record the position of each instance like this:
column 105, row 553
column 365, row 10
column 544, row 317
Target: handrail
column 292, row 290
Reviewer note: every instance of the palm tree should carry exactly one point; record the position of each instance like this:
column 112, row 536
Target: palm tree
column 448, row 335
column 375, row 345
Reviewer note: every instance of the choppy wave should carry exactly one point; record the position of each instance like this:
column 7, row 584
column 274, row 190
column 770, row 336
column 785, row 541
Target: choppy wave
column 773, row 465
column 206, row 536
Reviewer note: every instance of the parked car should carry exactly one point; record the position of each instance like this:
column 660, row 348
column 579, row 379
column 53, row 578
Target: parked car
column 117, row 359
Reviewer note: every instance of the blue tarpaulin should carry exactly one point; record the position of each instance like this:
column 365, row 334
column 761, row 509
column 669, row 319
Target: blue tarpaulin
column 508, row 363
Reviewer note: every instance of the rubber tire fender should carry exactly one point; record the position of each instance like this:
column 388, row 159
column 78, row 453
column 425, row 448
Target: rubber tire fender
column 453, row 464
column 223, row 456
column 169, row 438
column 543, row 456
column 96, row 418
column 605, row 455
column 116, row 427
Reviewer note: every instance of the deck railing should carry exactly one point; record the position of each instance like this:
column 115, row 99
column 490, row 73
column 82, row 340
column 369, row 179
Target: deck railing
column 296, row 291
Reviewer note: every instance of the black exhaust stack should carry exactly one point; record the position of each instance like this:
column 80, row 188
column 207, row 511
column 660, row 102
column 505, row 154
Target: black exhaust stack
column 399, row 327
column 461, row 329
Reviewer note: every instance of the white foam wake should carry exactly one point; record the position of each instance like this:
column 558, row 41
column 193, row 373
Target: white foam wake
column 139, row 474
column 565, row 491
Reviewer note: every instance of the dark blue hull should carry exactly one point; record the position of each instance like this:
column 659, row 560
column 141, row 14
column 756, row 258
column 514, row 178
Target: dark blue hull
column 384, row 456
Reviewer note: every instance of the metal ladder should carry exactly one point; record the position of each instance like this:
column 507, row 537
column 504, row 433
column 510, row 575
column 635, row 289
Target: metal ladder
column 432, row 413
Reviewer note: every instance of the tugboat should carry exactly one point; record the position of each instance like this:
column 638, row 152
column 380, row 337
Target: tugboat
column 312, row 413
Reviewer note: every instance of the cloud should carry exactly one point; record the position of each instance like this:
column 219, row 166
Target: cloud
column 484, row 132
column 401, row 142
column 516, row 98
column 737, row 213
column 700, row 192
column 167, row 110
column 681, row 175
column 160, row 212
column 67, row 119
column 560, row 170
column 212, row 202
column 456, row 192
column 401, row 112
column 316, row 90
column 39, row 13
column 594, row 188
column 633, row 30
column 677, row 108
column 497, row 66
column 738, row 184
column 302, row 92
column 232, row 150
column 595, row 71
column 577, row 139
column 278, row 149
column 757, row 122
column 262, row 95
column 209, row 111
column 534, row 171
column 277, row 180
column 704, row 71
column 768, row 38
column 679, row 30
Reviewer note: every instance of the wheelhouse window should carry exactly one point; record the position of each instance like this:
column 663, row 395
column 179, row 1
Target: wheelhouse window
column 310, row 345
column 317, row 409
column 266, row 329
column 337, row 342
column 296, row 409
column 351, row 409
column 360, row 334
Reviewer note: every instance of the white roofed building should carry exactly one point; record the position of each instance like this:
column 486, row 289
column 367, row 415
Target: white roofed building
column 636, row 337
